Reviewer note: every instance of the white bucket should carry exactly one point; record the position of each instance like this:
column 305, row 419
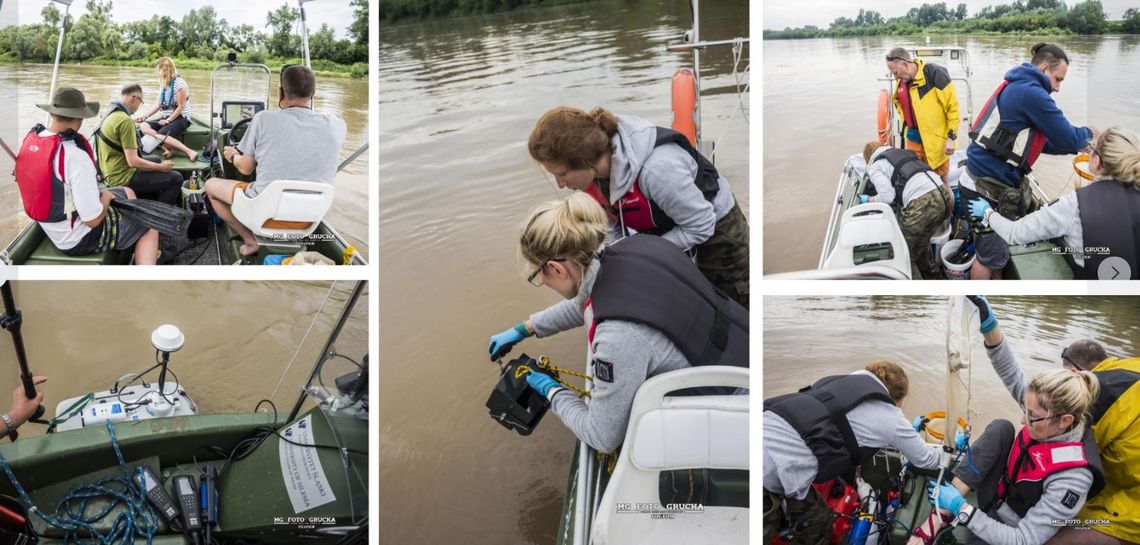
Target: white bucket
column 955, row 271
column 941, row 236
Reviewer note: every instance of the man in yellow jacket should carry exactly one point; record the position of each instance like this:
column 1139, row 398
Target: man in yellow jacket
column 1114, row 513
column 926, row 102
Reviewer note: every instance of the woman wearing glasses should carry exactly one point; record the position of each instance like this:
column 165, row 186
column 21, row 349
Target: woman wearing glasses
column 648, row 309
column 649, row 179
column 1099, row 221
column 1032, row 482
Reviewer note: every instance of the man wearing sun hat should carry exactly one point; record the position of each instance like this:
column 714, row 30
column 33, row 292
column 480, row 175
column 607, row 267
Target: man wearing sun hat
column 55, row 170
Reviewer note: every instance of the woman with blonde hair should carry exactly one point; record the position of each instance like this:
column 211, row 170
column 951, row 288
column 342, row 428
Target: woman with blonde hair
column 647, row 307
column 649, row 179
column 1100, row 220
column 174, row 105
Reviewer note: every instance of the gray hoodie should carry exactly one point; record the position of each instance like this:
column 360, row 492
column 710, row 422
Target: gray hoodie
column 665, row 176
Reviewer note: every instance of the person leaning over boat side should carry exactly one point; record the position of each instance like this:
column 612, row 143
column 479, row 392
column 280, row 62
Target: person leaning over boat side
column 1100, row 220
column 805, row 444
column 294, row 142
column 174, row 102
column 927, row 102
column 59, row 186
column 1019, row 122
column 902, row 179
column 648, row 308
column 1031, row 482
column 651, row 180
column 22, row 408
column 117, row 146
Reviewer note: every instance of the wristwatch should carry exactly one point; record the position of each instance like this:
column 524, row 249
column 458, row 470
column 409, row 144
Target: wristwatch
column 965, row 514
column 8, row 424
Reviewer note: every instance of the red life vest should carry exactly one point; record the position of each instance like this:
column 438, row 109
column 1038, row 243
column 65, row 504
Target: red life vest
column 1020, row 149
column 43, row 193
column 1029, row 463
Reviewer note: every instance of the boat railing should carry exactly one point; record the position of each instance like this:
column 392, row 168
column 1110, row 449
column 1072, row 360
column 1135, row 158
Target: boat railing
column 230, row 65
column 847, row 178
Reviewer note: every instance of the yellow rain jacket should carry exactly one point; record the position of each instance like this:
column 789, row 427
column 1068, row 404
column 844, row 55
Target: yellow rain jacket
column 1117, row 434
column 935, row 104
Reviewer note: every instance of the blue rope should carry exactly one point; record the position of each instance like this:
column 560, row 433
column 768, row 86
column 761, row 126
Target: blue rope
column 138, row 519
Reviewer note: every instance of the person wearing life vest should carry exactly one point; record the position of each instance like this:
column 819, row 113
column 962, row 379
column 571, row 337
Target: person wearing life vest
column 805, row 442
column 1100, row 220
column 649, row 179
column 647, row 308
column 927, row 102
column 904, row 181
column 1032, row 481
column 174, row 103
column 56, row 175
column 1018, row 123
column 117, row 145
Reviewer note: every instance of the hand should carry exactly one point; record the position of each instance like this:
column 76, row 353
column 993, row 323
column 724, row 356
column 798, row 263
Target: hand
column 166, row 166
column 951, row 145
column 163, row 121
column 140, row 118
column 501, row 343
column 948, row 497
column 985, row 313
column 1095, row 133
column 978, row 208
column 864, row 199
column 23, row 408
column 228, row 153
column 919, row 422
column 961, row 440
column 541, row 383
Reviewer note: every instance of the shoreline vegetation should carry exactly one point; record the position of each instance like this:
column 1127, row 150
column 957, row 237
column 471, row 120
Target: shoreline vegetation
column 1032, row 17
column 199, row 41
column 411, row 11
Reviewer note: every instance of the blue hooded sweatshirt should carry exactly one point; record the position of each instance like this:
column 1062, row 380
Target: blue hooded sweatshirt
column 1025, row 102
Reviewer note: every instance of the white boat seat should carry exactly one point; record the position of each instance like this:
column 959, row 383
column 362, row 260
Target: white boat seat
column 863, row 228
column 669, row 433
column 284, row 209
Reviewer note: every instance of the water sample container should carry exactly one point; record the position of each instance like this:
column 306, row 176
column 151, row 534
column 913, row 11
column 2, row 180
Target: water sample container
column 956, row 271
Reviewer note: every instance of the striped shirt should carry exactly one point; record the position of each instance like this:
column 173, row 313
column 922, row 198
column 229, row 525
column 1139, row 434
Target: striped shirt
column 168, row 97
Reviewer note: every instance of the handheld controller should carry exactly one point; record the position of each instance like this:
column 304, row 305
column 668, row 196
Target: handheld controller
column 188, row 500
column 209, row 501
column 157, row 495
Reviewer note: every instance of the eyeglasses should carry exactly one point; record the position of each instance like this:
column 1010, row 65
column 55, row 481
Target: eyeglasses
column 137, row 97
column 1032, row 420
column 1066, row 362
column 891, row 58
column 534, row 279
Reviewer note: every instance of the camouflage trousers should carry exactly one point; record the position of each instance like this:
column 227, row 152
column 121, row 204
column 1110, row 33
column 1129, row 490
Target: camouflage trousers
column 919, row 221
column 723, row 258
column 1011, row 202
column 811, row 518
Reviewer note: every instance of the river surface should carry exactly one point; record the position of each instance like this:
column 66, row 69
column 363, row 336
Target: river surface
column 458, row 99
column 240, row 338
column 808, row 338
column 819, row 108
column 24, row 86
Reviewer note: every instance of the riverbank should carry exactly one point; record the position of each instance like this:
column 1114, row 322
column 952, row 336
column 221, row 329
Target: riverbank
column 910, row 30
column 412, row 11
column 322, row 68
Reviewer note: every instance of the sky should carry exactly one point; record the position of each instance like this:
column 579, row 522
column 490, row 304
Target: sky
column 337, row 13
column 779, row 14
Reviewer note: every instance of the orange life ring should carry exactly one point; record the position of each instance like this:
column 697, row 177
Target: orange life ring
column 939, row 415
column 1082, row 172
column 884, row 116
column 685, row 104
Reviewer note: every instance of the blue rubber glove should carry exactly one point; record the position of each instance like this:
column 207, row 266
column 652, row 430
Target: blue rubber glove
column 985, row 313
column 541, row 383
column 948, row 497
column 978, row 208
column 501, row 343
column 961, row 440
column 919, row 422
column 864, row 199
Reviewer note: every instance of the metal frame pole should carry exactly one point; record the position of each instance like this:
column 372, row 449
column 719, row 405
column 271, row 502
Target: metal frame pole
column 348, row 306
column 58, row 49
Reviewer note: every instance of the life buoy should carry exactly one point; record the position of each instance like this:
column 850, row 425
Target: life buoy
column 941, row 415
column 1081, row 167
column 685, row 104
column 884, row 116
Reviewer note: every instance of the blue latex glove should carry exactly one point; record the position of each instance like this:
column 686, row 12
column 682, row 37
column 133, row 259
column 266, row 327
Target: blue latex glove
column 978, row 208
column 948, row 497
column 501, row 343
column 541, row 383
column 919, row 422
column 864, row 199
column 961, row 440
column 985, row 313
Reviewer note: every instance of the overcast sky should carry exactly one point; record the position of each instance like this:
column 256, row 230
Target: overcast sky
column 791, row 13
column 337, row 13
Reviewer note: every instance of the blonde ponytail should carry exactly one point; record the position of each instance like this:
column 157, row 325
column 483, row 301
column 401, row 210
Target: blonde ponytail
column 1062, row 391
column 1119, row 151
column 572, row 229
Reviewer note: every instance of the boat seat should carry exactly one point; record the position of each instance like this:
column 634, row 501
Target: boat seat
column 674, row 433
column 47, row 254
column 285, row 209
column 869, row 233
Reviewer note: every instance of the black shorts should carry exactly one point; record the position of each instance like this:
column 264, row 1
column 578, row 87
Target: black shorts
column 174, row 128
column 115, row 232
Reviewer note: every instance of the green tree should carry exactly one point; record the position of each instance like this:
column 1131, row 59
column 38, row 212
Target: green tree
column 1131, row 23
column 358, row 30
column 283, row 42
column 323, row 44
column 50, row 14
column 962, row 13
column 86, row 38
column 1087, row 18
column 201, row 27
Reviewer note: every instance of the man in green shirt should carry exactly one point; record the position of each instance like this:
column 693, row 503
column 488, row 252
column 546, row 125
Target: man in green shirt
column 118, row 153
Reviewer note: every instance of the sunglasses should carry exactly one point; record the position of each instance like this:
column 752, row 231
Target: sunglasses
column 894, row 58
column 534, row 279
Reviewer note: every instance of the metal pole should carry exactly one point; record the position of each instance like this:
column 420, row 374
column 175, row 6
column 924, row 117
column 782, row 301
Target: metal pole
column 58, row 51
column 348, row 306
column 304, row 34
column 352, row 157
column 12, row 320
column 697, row 61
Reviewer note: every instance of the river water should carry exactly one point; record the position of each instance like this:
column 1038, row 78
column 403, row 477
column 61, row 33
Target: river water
column 458, row 100
column 240, row 338
column 819, row 108
column 24, row 86
column 808, row 338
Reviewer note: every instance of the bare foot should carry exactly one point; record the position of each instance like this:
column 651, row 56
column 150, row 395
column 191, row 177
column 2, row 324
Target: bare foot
column 166, row 154
column 247, row 250
column 193, row 156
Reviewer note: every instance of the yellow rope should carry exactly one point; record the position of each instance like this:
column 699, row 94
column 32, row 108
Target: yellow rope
column 544, row 364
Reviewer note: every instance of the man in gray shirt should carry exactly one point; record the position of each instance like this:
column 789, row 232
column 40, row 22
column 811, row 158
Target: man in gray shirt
column 292, row 143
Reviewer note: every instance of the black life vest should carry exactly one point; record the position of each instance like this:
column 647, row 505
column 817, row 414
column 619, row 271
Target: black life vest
column 906, row 165
column 819, row 413
column 1020, row 149
column 1028, row 464
column 1110, row 218
column 44, row 194
column 648, row 280
column 637, row 211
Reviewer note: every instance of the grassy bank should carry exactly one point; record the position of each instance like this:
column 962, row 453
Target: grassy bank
column 408, row 11
column 323, row 68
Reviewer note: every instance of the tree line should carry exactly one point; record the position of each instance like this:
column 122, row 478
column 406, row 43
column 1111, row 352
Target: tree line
column 200, row 35
column 397, row 10
column 1026, row 17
